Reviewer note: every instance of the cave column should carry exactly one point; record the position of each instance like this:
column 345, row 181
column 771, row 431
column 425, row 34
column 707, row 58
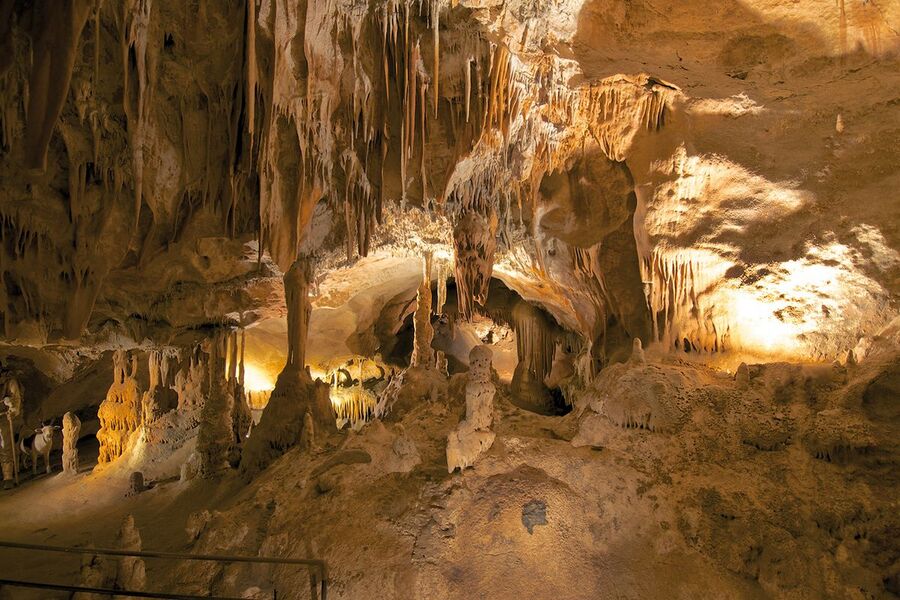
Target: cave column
column 299, row 309
column 297, row 405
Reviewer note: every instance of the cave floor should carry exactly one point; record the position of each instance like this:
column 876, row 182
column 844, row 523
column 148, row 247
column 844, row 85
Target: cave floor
column 568, row 507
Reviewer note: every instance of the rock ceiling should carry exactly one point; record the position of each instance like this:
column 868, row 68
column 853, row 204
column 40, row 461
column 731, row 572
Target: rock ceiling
column 707, row 176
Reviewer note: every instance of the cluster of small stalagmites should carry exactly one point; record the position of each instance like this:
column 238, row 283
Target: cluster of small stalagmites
column 120, row 412
column 473, row 437
column 192, row 383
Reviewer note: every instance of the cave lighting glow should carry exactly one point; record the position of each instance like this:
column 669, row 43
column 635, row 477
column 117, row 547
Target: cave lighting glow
column 257, row 380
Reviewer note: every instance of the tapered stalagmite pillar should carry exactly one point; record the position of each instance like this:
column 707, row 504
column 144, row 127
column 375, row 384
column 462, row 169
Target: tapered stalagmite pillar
column 473, row 437
column 423, row 355
column 296, row 394
column 130, row 570
column 11, row 408
column 215, row 439
column 71, row 432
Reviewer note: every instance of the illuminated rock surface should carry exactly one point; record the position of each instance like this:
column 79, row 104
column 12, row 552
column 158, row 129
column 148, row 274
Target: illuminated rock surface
column 250, row 245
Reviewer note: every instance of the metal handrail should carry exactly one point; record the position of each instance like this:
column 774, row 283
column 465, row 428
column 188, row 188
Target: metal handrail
column 318, row 564
column 108, row 591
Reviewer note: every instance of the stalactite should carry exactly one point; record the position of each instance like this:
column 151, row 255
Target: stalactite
column 535, row 340
column 137, row 22
column 443, row 274
column 54, row 50
column 436, row 74
column 423, row 354
column 252, row 72
column 471, row 206
column 674, row 284
column 353, row 406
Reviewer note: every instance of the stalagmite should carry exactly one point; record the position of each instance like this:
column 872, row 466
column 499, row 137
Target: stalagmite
column 423, row 354
column 215, row 438
column 441, row 363
column 130, row 570
column 120, row 412
column 71, row 430
column 11, row 419
column 742, row 375
column 192, row 382
column 637, row 352
column 308, row 434
column 296, row 296
column 241, row 417
column 95, row 572
column 473, row 436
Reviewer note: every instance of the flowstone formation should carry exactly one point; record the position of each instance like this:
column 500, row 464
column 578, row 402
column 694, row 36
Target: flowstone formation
column 473, row 437
column 120, row 412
